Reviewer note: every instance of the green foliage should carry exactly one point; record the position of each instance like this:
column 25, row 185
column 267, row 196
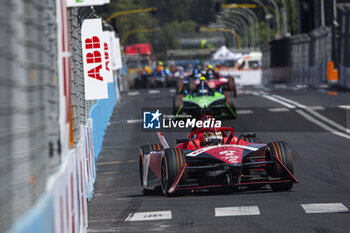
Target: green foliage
column 176, row 18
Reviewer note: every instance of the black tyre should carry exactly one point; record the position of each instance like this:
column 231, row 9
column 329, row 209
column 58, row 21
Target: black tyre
column 231, row 108
column 145, row 149
column 173, row 161
column 283, row 152
column 233, row 86
column 252, row 139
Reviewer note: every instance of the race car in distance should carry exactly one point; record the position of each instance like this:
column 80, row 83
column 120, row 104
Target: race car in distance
column 203, row 98
column 214, row 158
column 220, row 84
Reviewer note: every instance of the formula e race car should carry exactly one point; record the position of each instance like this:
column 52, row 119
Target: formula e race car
column 202, row 97
column 220, row 84
column 214, row 158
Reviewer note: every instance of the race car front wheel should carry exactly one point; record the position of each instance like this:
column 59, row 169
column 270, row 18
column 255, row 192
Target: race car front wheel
column 280, row 151
column 172, row 164
column 145, row 149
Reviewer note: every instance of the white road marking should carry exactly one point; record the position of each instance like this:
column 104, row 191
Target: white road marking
column 344, row 106
column 278, row 109
column 153, row 91
column 266, row 96
column 318, row 208
column 242, row 112
column 237, row 211
column 147, row 216
column 301, row 86
column 322, row 125
column 243, row 92
column 134, row 121
column 315, row 107
column 311, row 111
column 286, row 102
column 133, row 93
column 172, row 90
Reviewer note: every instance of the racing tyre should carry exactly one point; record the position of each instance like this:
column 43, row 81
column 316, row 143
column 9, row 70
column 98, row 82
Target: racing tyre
column 145, row 149
column 173, row 161
column 252, row 139
column 233, row 86
column 231, row 108
column 283, row 152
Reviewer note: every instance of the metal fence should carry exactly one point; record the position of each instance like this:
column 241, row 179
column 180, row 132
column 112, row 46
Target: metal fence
column 29, row 110
column 80, row 107
column 344, row 39
column 298, row 59
column 29, row 130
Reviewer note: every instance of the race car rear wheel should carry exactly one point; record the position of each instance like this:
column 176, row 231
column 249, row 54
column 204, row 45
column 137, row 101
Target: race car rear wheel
column 145, row 149
column 282, row 152
column 173, row 161
column 233, row 86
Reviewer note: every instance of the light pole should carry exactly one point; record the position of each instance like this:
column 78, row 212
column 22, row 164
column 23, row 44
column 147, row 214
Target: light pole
column 250, row 19
column 240, row 26
column 266, row 17
column 277, row 16
column 285, row 17
column 256, row 24
column 243, row 24
column 222, row 29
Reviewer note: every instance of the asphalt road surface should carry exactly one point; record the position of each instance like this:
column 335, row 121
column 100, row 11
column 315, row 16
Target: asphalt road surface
column 313, row 121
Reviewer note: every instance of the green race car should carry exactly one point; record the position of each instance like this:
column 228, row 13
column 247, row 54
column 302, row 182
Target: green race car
column 204, row 99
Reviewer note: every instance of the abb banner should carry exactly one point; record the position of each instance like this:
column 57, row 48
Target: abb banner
column 64, row 74
column 80, row 3
column 107, row 46
column 113, row 48
column 94, row 60
column 119, row 55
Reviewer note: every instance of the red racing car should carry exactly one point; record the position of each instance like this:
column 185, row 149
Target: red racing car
column 214, row 158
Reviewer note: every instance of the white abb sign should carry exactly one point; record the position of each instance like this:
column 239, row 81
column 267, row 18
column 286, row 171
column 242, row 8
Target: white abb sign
column 79, row 3
column 94, row 60
column 107, row 45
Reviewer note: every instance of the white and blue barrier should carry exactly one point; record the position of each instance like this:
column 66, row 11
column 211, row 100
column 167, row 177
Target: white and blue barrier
column 62, row 208
column 100, row 114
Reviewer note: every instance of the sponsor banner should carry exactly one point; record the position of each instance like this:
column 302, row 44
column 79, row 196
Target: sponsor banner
column 113, row 50
column 69, row 186
column 108, row 72
column 93, row 60
column 64, row 74
column 119, row 54
column 80, row 3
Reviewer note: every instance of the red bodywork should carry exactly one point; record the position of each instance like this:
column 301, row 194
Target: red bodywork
column 138, row 49
column 233, row 151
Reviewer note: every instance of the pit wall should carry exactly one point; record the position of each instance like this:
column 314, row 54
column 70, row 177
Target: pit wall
column 63, row 206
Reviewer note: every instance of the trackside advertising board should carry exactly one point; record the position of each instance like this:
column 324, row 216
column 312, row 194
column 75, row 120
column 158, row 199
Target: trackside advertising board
column 113, row 49
column 107, row 56
column 94, row 60
column 119, row 55
column 64, row 74
column 80, row 3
